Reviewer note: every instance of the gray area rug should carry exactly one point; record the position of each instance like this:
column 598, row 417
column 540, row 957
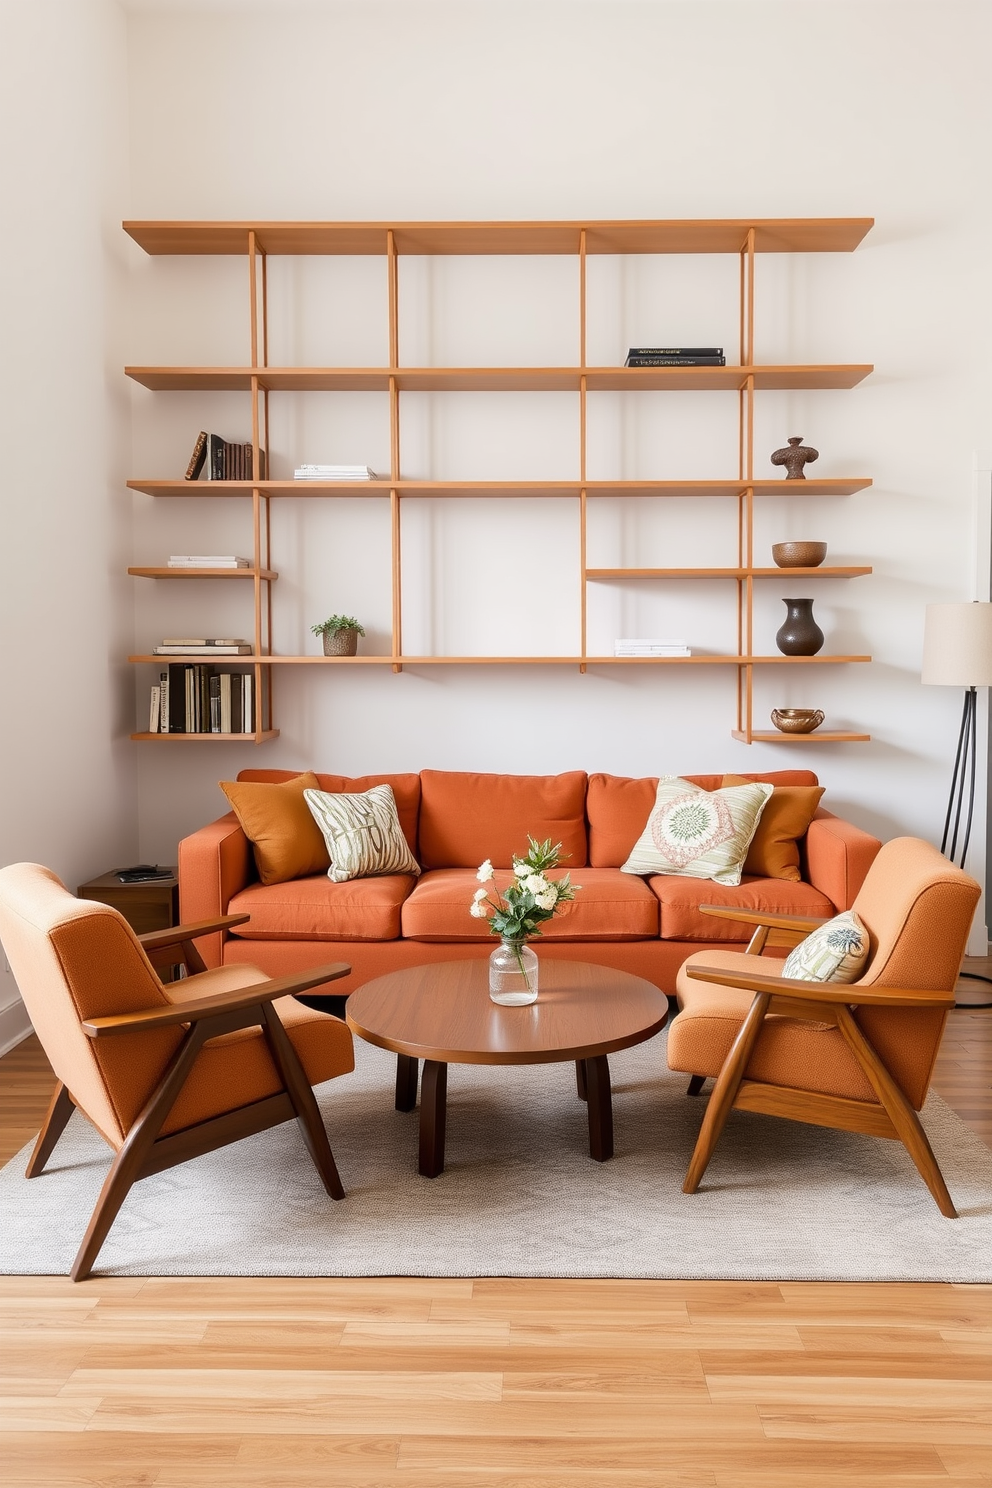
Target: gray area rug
column 520, row 1195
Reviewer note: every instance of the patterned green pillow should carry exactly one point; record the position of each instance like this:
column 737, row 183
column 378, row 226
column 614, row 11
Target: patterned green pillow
column 362, row 832
column 835, row 952
column 699, row 833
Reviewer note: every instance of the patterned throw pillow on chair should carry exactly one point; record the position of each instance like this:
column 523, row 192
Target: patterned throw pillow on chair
column 362, row 832
column 699, row 833
column 835, row 952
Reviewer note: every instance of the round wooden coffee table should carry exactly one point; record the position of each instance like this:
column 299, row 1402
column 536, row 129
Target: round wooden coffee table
column 443, row 1014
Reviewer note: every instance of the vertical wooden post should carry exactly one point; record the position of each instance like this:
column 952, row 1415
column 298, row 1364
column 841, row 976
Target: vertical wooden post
column 583, row 513
column 392, row 271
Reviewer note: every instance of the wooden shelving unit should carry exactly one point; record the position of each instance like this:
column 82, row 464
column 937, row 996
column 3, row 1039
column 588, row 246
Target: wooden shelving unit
column 254, row 241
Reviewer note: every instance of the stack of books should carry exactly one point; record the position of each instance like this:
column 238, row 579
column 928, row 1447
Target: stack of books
column 675, row 356
column 196, row 699
column 222, row 459
column 208, row 560
column 334, row 472
column 203, row 646
column 650, row 648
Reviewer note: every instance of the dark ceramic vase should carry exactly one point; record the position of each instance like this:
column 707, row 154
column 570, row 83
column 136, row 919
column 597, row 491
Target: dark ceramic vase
column 799, row 634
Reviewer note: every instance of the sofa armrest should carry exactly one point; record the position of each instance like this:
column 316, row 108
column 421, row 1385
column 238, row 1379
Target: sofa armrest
column 838, row 856
column 215, row 863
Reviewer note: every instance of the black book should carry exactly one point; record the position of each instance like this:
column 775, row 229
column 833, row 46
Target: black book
column 668, row 361
column 177, row 698
column 198, row 456
column 675, row 351
column 215, row 457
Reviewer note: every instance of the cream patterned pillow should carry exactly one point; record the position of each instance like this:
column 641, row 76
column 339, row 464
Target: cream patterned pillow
column 362, row 832
column 835, row 952
column 699, row 833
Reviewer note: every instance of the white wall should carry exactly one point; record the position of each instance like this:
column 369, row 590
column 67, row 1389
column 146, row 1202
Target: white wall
column 65, row 525
column 546, row 109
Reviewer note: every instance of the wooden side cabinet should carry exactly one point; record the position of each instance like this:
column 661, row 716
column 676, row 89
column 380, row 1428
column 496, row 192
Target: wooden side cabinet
column 146, row 906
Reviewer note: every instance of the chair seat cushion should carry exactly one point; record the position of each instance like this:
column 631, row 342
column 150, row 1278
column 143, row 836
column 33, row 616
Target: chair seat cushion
column 789, row 1052
column 682, row 919
column 236, row 1069
column 608, row 906
column 316, row 909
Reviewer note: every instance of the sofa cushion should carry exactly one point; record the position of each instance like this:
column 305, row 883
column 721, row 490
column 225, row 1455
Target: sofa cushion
column 699, row 833
column 774, row 850
column 316, row 909
column 682, row 919
column 836, row 952
column 406, row 790
column 466, row 817
column 362, row 832
column 276, row 820
column 618, row 806
column 609, row 906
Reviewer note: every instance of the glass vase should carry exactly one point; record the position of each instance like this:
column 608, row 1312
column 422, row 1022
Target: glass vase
column 513, row 974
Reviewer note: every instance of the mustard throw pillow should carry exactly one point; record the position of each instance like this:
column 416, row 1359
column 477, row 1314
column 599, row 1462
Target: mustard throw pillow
column 276, row 820
column 774, row 850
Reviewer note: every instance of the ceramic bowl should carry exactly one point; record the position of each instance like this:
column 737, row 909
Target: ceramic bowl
column 799, row 554
column 797, row 720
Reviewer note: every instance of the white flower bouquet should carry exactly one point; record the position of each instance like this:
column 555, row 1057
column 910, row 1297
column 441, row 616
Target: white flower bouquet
column 530, row 899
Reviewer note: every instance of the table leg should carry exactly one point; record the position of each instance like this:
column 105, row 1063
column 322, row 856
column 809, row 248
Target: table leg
column 407, row 1072
column 600, row 1108
column 580, row 1079
column 433, row 1110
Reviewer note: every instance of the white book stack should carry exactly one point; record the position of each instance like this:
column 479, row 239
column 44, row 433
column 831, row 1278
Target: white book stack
column 208, row 560
column 334, row 472
column 650, row 648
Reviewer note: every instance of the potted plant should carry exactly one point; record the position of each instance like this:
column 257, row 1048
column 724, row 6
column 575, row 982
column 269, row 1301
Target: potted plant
column 339, row 634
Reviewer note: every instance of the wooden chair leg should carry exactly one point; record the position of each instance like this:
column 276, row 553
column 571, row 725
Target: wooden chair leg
column 61, row 1108
column 300, row 1092
column 696, row 1083
column 127, row 1166
column 901, row 1113
column 725, row 1091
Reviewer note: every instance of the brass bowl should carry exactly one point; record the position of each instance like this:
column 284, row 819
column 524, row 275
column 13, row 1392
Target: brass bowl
column 797, row 720
column 799, row 554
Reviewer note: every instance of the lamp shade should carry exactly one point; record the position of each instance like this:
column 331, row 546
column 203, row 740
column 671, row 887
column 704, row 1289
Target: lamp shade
column 957, row 644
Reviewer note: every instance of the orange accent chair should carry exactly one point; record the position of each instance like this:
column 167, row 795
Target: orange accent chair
column 164, row 1071
column 857, row 1056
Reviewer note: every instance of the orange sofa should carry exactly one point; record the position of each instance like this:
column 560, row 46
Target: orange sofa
column 453, row 821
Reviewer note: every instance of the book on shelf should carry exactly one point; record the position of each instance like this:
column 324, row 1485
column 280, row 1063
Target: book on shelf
column 208, row 560
column 334, row 472
column 153, row 708
column 199, row 699
column 223, row 459
column 674, row 361
column 201, row 647
column 638, row 647
column 675, row 351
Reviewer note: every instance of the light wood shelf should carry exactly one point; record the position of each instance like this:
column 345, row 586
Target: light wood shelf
column 500, row 490
column 497, row 379
column 745, row 379
column 818, row 736
column 260, row 736
column 267, row 575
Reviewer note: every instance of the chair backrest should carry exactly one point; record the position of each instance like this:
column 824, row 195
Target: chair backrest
column 917, row 908
column 74, row 959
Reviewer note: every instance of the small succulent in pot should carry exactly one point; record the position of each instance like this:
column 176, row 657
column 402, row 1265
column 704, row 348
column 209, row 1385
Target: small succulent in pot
column 339, row 634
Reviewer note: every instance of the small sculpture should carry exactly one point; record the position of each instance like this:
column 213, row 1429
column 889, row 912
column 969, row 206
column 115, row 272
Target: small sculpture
column 794, row 457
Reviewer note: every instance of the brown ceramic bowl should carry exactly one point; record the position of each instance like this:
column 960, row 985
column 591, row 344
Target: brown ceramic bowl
column 797, row 720
column 799, row 554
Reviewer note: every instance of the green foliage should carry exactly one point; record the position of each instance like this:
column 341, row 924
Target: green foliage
column 530, row 899
column 334, row 623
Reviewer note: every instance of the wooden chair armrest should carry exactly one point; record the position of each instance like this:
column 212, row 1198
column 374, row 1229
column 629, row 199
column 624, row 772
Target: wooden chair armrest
column 804, row 923
column 846, row 994
column 155, row 940
column 198, row 1008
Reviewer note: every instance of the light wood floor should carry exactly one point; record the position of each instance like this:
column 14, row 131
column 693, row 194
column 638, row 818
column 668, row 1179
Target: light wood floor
column 450, row 1383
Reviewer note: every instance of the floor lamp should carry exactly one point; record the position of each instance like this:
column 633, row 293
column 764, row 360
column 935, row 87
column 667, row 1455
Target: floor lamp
column 957, row 652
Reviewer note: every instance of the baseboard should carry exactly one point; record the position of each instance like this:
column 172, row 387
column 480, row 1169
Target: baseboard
column 15, row 1025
